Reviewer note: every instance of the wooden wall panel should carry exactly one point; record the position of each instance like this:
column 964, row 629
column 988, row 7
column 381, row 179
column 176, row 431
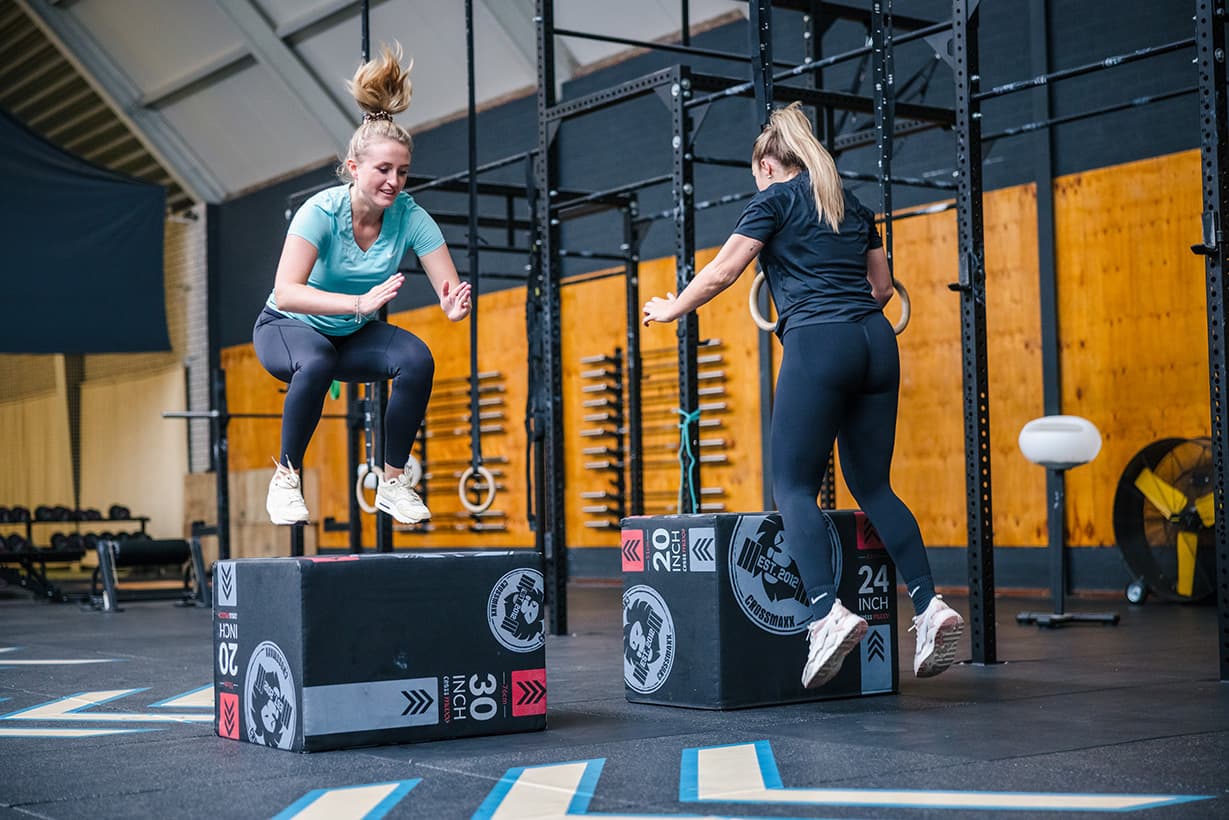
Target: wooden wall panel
column 594, row 324
column 1133, row 348
column 130, row 455
column 1132, row 318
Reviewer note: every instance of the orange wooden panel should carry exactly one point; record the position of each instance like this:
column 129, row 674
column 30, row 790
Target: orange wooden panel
column 1132, row 318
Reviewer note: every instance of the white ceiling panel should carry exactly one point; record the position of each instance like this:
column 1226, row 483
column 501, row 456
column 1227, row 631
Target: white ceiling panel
column 245, row 84
column 157, row 40
column 635, row 19
column 284, row 12
column 248, row 130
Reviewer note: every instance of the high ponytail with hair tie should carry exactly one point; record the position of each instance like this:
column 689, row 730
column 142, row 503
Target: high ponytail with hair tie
column 789, row 139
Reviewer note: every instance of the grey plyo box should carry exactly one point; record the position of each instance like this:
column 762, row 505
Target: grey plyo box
column 715, row 615
column 336, row 652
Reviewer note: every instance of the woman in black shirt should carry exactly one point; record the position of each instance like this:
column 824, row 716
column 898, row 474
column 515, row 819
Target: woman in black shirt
column 839, row 379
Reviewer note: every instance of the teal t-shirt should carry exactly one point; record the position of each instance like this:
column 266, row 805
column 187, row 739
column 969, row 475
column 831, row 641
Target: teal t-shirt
column 341, row 266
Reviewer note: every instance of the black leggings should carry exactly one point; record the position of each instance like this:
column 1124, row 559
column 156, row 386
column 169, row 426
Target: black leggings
column 840, row 381
column 310, row 360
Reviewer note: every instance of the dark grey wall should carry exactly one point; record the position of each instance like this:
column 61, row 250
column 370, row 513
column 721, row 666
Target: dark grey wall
column 632, row 141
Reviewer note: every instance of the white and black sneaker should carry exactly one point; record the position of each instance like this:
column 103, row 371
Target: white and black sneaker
column 285, row 503
column 395, row 497
column 831, row 638
column 938, row 631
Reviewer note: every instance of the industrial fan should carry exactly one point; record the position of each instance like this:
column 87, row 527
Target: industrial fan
column 1164, row 516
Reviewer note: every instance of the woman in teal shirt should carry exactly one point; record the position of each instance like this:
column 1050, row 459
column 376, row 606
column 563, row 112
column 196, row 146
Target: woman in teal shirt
column 338, row 268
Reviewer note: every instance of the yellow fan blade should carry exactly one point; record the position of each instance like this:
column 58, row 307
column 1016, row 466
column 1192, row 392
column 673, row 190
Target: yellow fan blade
column 1205, row 505
column 1165, row 497
column 1187, row 543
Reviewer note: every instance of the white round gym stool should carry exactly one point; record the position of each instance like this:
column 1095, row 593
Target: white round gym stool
column 1060, row 443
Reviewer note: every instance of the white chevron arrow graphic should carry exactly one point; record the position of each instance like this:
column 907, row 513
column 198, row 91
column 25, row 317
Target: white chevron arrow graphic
column 553, row 792
column 747, row 773
column 73, row 708
column 4, row 650
column 201, row 698
column 365, row 802
column 66, row 733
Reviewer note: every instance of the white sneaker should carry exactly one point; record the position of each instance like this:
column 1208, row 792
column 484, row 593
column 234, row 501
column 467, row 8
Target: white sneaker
column 397, row 499
column 285, row 500
column 831, row 638
column 938, row 631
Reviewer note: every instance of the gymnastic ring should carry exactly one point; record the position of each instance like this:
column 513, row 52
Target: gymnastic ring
column 413, row 468
column 486, row 476
column 753, row 303
column 905, row 307
column 365, row 470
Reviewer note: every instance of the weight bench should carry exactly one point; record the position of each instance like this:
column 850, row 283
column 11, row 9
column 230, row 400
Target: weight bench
column 113, row 555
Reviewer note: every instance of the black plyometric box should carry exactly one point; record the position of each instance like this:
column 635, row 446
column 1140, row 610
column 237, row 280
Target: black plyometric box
column 715, row 613
column 336, row 652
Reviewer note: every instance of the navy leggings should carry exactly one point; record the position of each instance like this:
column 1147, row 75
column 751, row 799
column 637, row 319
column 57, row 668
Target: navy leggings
column 310, row 360
column 840, row 381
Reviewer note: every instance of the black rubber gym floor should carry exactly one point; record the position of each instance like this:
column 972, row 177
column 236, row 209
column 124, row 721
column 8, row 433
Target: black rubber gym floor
column 1080, row 717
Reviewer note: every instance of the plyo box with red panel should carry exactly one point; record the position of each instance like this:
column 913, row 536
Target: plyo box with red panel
column 337, row 652
column 715, row 611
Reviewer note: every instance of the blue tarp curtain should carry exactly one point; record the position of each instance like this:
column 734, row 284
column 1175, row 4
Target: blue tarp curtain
column 80, row 252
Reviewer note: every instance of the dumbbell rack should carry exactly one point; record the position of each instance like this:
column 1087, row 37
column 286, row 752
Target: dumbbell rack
column 63, row 549
column 605, row 446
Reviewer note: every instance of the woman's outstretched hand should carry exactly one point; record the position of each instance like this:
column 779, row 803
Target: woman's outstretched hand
column 454, row 301
column 658, row 309
column 380, row 295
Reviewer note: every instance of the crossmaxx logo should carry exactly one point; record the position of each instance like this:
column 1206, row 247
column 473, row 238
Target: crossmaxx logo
column 764, row 575
column 648, row 639
column 270, row 697
column 514, row 610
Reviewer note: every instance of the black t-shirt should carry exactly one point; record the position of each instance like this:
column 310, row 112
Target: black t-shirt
column 815, row 275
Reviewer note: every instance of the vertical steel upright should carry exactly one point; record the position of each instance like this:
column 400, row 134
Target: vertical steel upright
column 472, row 239
column 219, row 421
column 1214, row 151
column 632, row 371
column 377, row 391
column 544, row 291
column 759, row 25
column 759, row 35
column 972, row 289
column 884, row 93
column 683, row 190
column 1051, row 374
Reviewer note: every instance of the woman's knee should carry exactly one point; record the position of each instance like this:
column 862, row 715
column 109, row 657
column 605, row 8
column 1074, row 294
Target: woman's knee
column 315, row 371
column 412, row 360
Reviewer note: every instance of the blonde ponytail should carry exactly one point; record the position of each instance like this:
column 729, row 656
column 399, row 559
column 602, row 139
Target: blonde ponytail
column 382, row 88
column 788, row 138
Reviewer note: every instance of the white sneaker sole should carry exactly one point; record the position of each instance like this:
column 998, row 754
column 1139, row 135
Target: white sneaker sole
column 385, row 506
column 281, row 522
column 828, row 669
column 943, row 651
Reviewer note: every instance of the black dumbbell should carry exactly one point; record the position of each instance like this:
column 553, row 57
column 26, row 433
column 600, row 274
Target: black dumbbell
column 19, row 515
column 42, row 513
column 119, row 512
column 16, row 543
column 59, row 541
column 4, row 515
